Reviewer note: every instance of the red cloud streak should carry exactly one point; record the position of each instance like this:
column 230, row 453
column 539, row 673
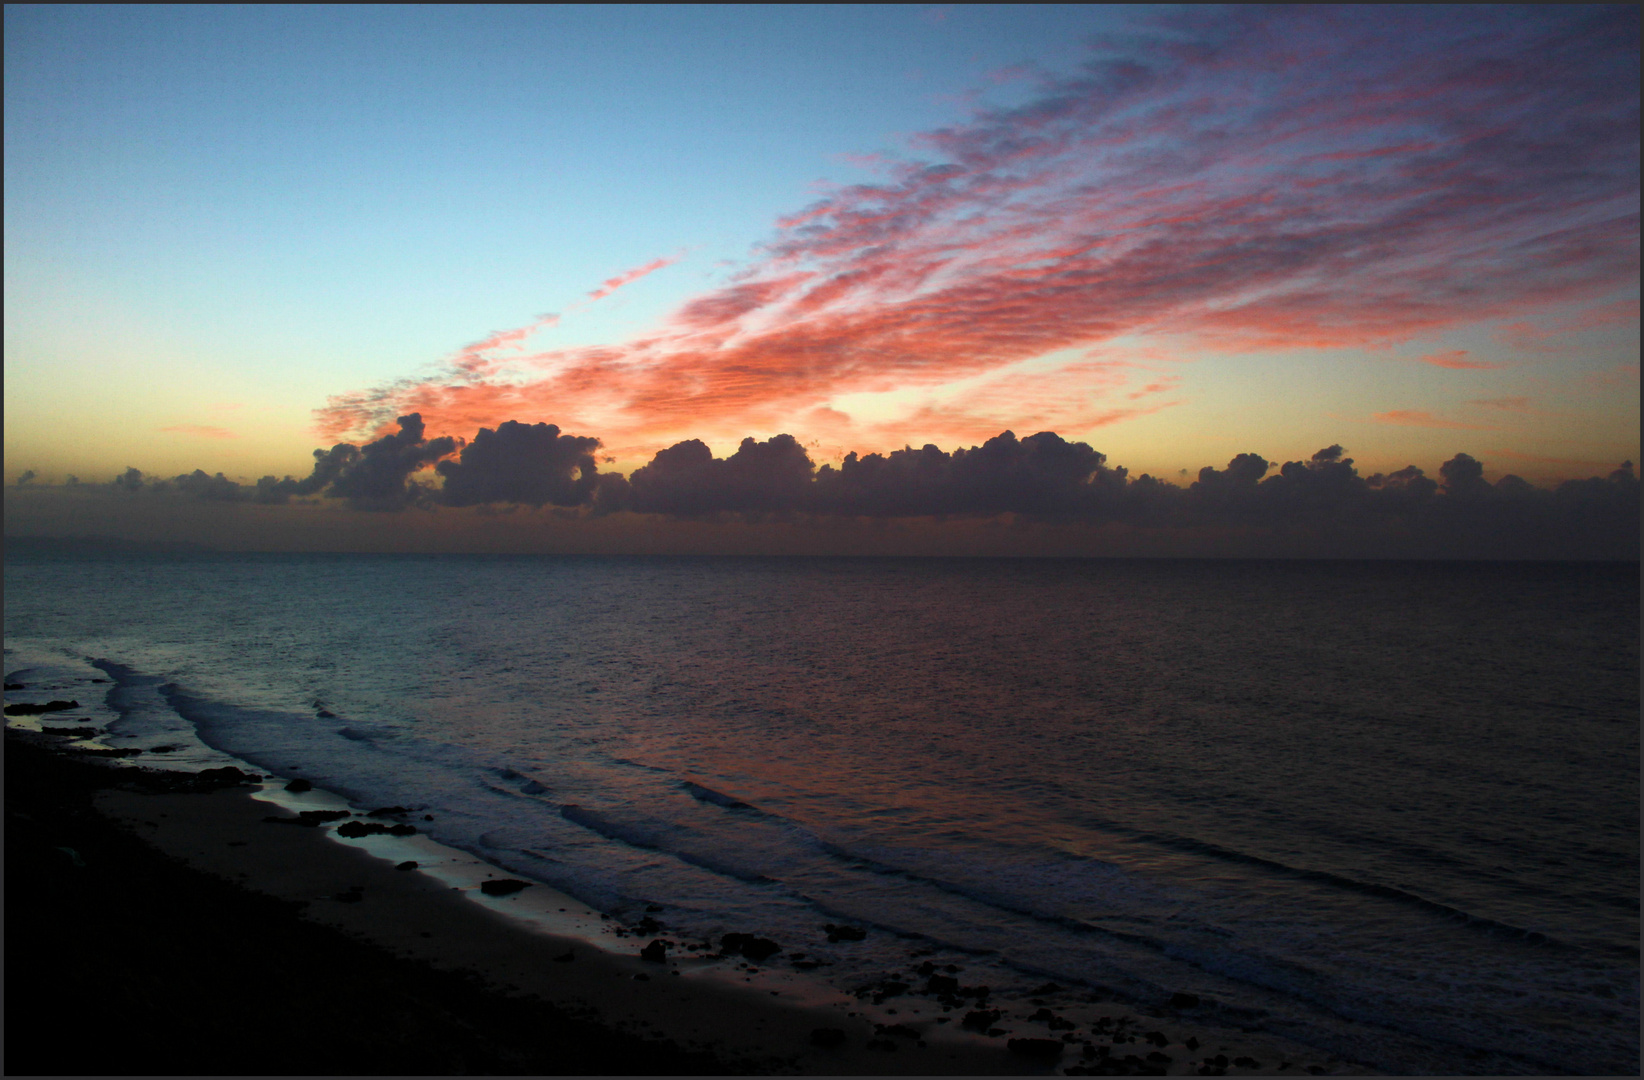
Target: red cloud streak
column 1249, row 179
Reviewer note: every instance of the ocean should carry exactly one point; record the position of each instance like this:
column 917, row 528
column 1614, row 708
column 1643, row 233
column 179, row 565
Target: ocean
column 1387, row 809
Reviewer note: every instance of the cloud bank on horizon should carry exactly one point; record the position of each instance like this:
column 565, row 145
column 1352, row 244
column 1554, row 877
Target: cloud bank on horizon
column 1223, row 181
column 1042, row 478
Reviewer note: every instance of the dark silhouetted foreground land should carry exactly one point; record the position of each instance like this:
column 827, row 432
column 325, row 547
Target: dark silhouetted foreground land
column 135, row 964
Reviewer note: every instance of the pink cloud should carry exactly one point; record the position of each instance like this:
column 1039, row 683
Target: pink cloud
column 202, row 431
column 1158, row 386
column 1422, row 418
column 476, row 361
column 1247, row 180
column 1455, row 358
column 628, row 277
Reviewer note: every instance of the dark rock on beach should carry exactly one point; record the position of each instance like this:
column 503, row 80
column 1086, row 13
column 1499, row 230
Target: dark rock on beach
column 354, row 829
column 502, row 886
column 752, row 946
column 308, row 818
column 844, row 933
column 1039, row 1049
column 981, row 1019
column 884, row 988
column 227, row 776
column 1051, row 1020
column 409, row 864
column 299, row 786
column 656, row 952
column 22, row 708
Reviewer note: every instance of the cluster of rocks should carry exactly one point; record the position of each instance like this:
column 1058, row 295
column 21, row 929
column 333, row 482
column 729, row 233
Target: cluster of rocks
column 314, row 818
column 940, row 984
column 164, row 782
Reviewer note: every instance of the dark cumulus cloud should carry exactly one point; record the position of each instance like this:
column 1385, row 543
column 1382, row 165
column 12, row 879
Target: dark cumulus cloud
column 377, row 476
column 1042, row 474
column 1042, row 477
column 530, row 464
column 687, row 480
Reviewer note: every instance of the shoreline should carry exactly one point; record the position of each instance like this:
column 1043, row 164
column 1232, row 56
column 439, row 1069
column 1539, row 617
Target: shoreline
column 631, row 1015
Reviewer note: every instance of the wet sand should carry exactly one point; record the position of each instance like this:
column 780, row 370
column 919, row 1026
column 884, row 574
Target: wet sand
column 375, row 969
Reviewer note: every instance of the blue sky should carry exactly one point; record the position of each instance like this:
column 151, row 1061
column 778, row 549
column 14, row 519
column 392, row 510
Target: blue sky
column 262, row 206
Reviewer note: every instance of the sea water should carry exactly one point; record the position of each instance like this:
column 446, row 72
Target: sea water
column 1386, row 809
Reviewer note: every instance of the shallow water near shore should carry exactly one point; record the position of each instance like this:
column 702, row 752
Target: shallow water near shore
column 1388, row 810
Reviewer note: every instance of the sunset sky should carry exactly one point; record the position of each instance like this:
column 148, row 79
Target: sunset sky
column 1176, row 234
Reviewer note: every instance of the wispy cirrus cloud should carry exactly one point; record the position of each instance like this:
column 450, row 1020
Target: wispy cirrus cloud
column 628, row 277
column 203, row 431
column 1457, row 359
column 1249, row 179
column 1423, row 418
column 1551, row 335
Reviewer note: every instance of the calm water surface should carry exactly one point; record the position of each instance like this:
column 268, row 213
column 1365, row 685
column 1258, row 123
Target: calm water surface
column 1388, row 809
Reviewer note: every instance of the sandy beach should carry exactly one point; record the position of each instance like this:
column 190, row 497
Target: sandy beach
column 122, row 879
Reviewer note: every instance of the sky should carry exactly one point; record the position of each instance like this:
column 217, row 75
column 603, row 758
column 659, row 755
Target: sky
column 1173, row 234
